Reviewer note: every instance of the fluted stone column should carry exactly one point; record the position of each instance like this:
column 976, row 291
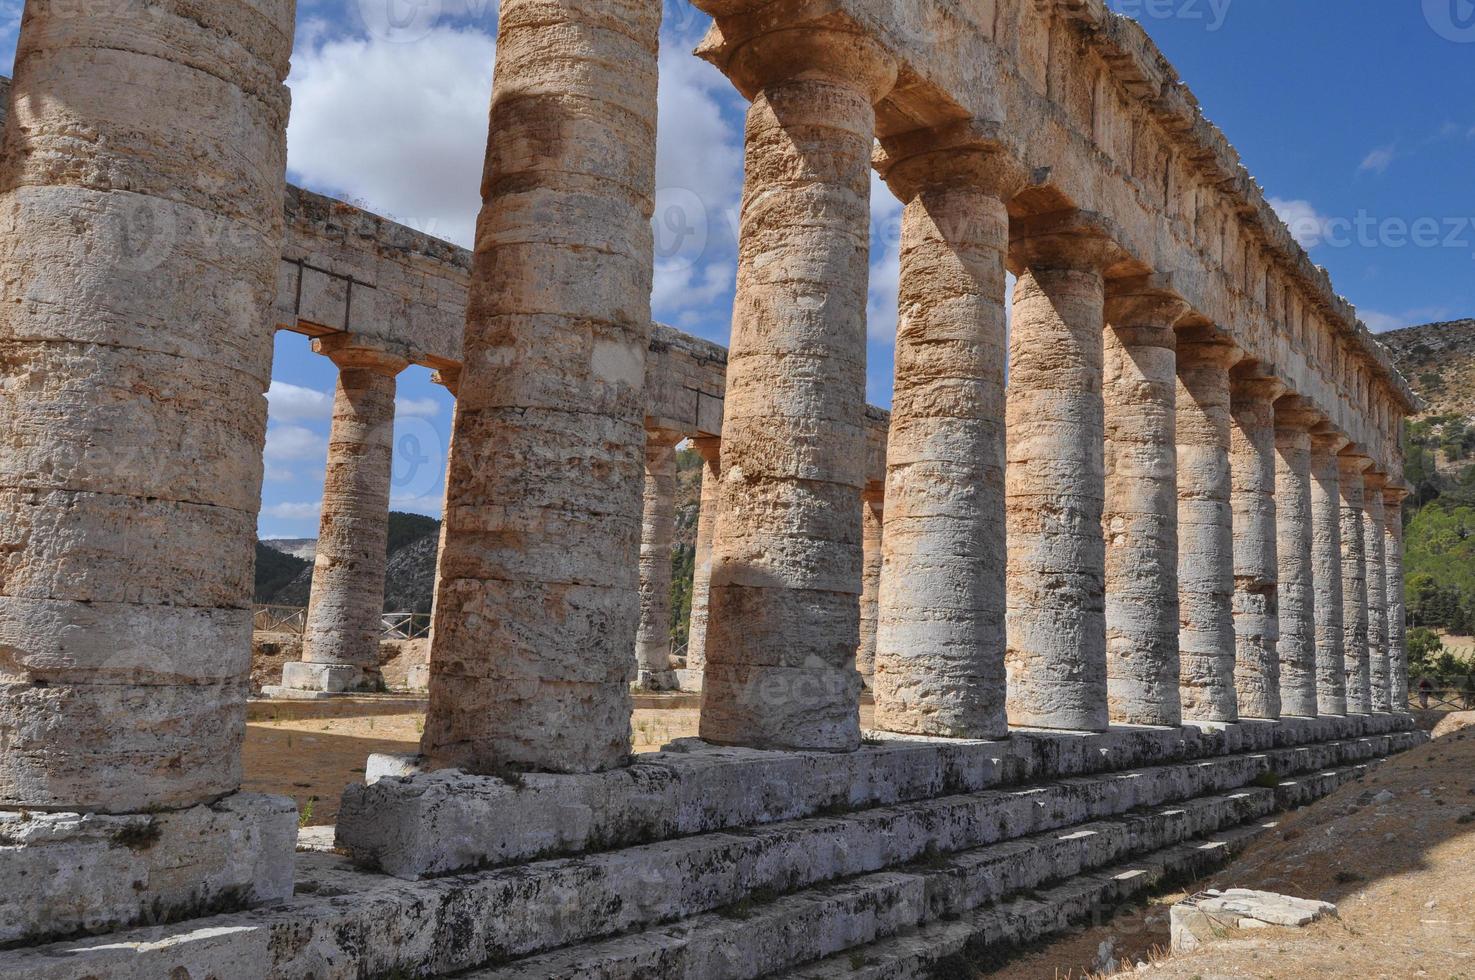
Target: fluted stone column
column 1055, row 485
column 340, row 644
column 140, row 231
column 1378, row 665
column 1205, row 528
column 1141, row 516
column 940, row 657
column 872, row 525
column 786, row 564
column 1294, row 523
column 1393, row 499
column 710, row 450
column 1256, row 564
column 1354, row 583
column 1326, row 572
column 538, row 603
column 658, row 528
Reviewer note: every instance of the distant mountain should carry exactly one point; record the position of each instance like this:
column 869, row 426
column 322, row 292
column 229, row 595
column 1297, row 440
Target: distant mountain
column 286, row 580
column 1438, row 359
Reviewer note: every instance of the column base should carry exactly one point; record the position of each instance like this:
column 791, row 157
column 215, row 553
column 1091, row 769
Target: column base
column 304, row 680
column 658, row 680
column 70, row 874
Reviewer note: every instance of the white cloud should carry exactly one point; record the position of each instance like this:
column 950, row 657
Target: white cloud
column 681, row 288
column 307, row 511
column 400, row 126
column 1378, row 161
column 416, row 408
column 1379, row 322
column 295, row 442
column 1308, row 226
column 294, row 403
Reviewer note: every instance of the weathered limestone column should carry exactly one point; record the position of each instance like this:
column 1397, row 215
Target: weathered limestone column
column 1393, row 499
column 710, row 449
column 340, row 644
column 1256, row 564
column 1205, row 528
column 1379, row 682
column 538, row 602
column 1141, row 517
column 658, row 528
column 1354, row 582
column 1294, row 522
column 1056, row 483
column 872, row 525
column 140, row 230
column 1326, row 571
column 786, row 564
column 940, row 657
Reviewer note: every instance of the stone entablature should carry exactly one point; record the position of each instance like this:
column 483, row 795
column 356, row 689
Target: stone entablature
column 1086, row 102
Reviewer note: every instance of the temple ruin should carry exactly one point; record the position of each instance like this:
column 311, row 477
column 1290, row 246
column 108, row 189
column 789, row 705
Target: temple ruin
column 1123, row 572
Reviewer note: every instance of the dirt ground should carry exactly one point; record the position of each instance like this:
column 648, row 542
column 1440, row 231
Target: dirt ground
column 310, row 750
column 1401, row 871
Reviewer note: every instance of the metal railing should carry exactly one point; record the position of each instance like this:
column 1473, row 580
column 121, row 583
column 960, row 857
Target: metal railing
column 293, row 619
column 279, row 619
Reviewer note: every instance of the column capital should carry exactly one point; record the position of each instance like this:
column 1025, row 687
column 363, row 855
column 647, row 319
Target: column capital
column 1394, row 496
column 755, row 55
column 352, row 351
column 963, row 154
column 1251, row 381
column 655, row 436
column 1145, row 301
column 1375, row 481
column 448, row 378
column 1296, row 413
column 1203, row 345
column 1070, row 240
column 1352, row 463
column 708, row 447
column 1327, row 438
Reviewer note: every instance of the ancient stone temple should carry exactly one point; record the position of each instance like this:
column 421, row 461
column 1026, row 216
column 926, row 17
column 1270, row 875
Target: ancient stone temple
column 1163, row 561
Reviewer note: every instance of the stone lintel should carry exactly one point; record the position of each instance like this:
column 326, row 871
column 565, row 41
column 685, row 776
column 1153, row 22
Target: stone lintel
column 70, row 873
column 412, row 823
column 448, row 378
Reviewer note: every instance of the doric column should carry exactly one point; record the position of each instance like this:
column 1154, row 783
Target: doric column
column 1205, row 528
column 872, row 525
column 1294, row 521
column 710, row 449
column 1373, row 521
column 1326, row 570
column 658, row 528
column 1256, row 566
column 786, row 563
column 1350, row 468
column 940, row 657
column 1055, row 485
column 139, row 244
column 538, row 604
column 340, row 645
column 1393, row 499
column 1141, row 517
column 450, row 379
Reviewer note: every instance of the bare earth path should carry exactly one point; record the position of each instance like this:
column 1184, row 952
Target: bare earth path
column 1401, row 870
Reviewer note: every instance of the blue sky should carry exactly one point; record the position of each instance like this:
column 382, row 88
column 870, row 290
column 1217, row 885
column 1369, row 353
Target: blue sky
column 1357, row 116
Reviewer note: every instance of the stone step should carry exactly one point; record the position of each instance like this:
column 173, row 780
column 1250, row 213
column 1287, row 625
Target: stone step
column 758, row 938
column 991, row 934
column 419, row 825
column 346, row 923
